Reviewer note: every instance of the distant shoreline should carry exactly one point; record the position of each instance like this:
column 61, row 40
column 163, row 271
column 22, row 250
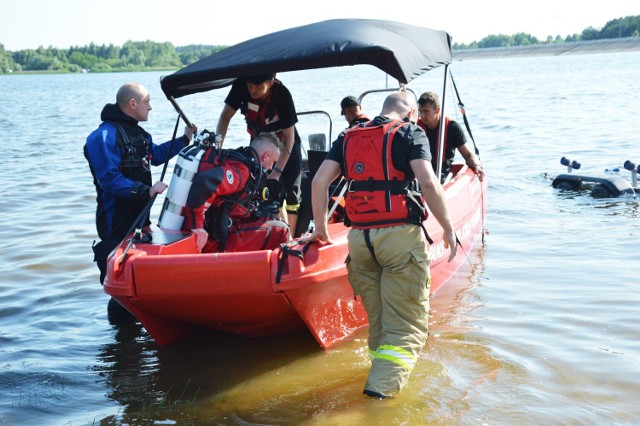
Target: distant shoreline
column 576, row 48
column 628, row 44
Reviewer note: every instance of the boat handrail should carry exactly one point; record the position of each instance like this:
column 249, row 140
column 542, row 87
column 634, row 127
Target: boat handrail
column 391, row 89
column 325, row 113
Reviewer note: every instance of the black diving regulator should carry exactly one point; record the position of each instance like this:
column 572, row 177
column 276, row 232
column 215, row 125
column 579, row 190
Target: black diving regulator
column 208, row 139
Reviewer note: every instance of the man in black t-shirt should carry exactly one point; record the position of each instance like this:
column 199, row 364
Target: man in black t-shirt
column 268, row 106
column 352, row 111
column 429, row 111
column 388, row 262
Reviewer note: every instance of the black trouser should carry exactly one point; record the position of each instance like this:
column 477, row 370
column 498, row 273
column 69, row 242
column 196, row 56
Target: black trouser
column 101, row 252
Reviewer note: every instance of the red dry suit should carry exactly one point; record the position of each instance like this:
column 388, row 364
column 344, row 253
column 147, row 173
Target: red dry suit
column 224, row 199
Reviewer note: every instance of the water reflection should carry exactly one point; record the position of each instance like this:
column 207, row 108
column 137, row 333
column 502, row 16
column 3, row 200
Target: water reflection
column 625, row 205
column 129, row 368
column 219, row 378
column 152, row 382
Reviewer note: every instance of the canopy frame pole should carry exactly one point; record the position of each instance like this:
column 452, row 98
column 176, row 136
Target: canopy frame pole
column 177, row 107
column 442, row 124
column 138, row 224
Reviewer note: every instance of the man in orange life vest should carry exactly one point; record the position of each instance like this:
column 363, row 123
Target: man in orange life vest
column 267, row 106
column 224, row 209
column 350, row 108
column 388, row 262
column 429, row 111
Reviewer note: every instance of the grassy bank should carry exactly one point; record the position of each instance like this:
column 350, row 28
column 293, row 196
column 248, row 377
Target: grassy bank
column 580, row 47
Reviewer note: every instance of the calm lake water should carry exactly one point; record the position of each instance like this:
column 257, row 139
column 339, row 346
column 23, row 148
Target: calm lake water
column 544, row 328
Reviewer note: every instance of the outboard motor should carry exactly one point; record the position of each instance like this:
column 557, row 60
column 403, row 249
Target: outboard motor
column 171, row 216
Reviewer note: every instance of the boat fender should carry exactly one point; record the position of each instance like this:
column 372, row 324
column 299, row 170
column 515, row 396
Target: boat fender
column 172, row 214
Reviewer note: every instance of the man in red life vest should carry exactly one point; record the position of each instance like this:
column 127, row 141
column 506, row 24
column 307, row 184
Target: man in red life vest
column 388, row 262
column 350, row 108
column 267, row 106
column 224, row 206
column 429, row 111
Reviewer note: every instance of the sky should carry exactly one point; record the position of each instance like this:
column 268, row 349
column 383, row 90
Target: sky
column 29, row 24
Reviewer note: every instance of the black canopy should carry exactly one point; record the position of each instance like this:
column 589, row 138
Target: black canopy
column 402, row 51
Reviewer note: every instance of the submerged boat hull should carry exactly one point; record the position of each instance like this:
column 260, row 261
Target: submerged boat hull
column 171, row 288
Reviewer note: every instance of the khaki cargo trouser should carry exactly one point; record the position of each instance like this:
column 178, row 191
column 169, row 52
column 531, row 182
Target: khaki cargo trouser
column 389, row 269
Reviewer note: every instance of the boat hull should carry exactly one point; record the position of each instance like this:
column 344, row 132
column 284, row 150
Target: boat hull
column 171, row 288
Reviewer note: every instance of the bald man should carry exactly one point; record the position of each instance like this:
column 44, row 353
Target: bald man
column 388, row 264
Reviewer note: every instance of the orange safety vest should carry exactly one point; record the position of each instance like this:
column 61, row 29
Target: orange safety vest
column 378, row 195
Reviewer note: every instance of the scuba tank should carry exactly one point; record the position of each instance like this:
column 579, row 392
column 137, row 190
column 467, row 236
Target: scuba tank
column 171, row 216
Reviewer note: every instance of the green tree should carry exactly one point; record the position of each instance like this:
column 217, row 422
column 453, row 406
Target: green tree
column 83, row 60
column 523, row 39
column 493, row 40
column 194, row 52
column 589, row 33
column 7, row 64
column 163, row 55
column 101, row 67
column 628, row 26
column 22, row 56
column 572, row 38
column 39, row 62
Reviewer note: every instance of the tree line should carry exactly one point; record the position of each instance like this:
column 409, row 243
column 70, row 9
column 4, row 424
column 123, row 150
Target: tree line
column 132, row 56
column 149, row 55
column 616, row 28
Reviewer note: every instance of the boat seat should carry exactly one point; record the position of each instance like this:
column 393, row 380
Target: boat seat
column 159, row 237
column 317, row 142
column 315, row 158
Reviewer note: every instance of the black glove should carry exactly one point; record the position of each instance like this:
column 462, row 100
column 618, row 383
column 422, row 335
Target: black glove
column 275, row 191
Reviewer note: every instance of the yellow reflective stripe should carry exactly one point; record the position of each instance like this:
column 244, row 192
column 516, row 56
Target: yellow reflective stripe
column 372, row 355
column 396, row 355
column 292, row 207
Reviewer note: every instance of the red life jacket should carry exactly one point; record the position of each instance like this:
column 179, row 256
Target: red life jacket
column 378, row 195
column 263, row 117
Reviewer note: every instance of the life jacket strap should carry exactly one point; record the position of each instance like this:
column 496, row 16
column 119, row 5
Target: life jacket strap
column 395, row 187
column 285, row 251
